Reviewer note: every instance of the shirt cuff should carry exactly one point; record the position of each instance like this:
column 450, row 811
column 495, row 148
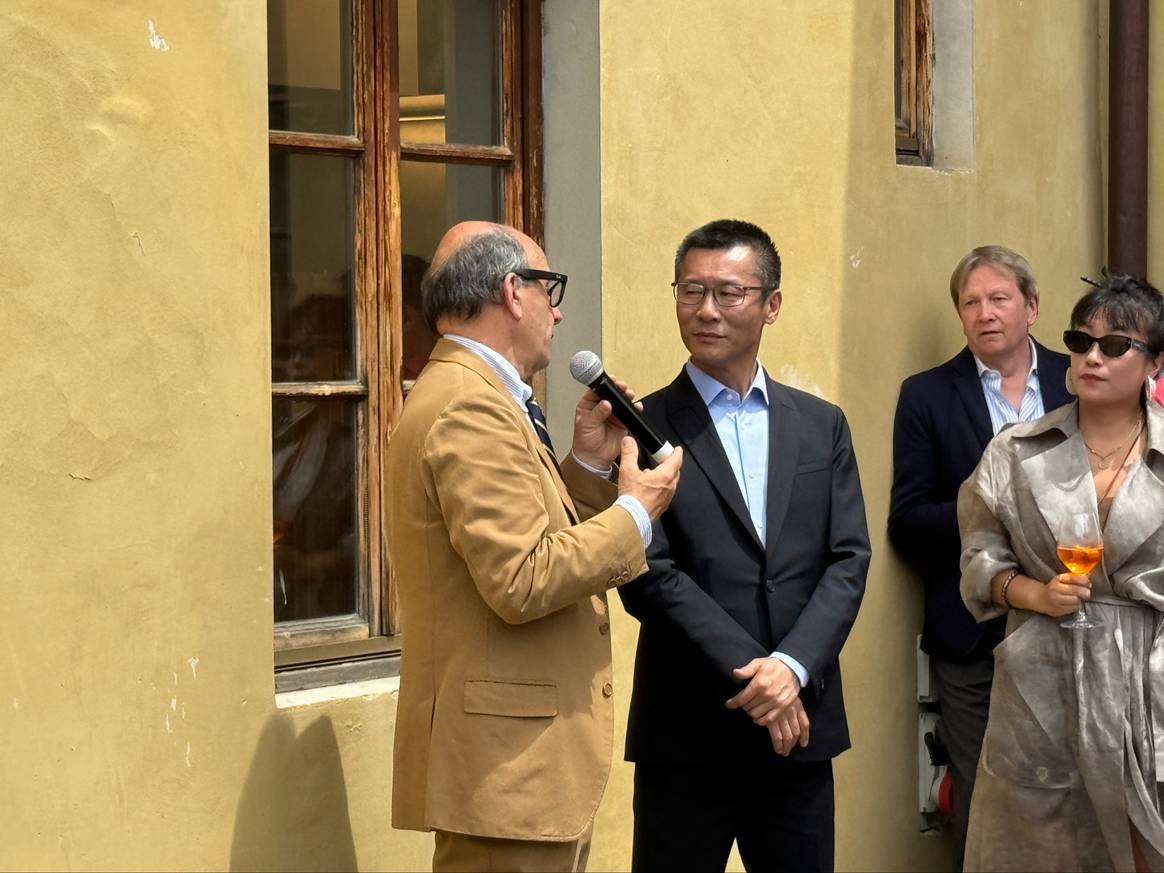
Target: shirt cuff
column 597, row 471
column 795, row 666
column 642, row 519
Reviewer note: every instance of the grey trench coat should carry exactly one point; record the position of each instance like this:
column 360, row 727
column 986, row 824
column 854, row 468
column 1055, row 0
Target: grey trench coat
column 1075, row 738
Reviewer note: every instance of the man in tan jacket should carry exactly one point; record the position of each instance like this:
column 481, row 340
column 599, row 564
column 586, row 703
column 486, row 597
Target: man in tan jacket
column 505, row 719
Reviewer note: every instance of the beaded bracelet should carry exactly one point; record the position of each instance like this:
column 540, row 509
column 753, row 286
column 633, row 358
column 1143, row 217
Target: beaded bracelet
column 1006, row 584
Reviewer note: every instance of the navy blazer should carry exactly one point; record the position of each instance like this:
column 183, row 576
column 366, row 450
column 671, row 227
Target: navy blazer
column 941, row 428
column 714, row 597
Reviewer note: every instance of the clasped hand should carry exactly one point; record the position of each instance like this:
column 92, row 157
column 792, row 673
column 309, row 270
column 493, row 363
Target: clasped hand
column 772, row 700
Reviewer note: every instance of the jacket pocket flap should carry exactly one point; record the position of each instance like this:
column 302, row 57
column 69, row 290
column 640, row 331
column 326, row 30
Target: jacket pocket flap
column 514, row 699
column 813, row 465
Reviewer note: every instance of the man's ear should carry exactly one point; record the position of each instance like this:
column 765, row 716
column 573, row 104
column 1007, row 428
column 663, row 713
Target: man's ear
column 772, row 307
column 512, row 295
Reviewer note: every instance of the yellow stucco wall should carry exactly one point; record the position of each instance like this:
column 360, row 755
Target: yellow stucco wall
column 136, row 696
column 783, row 114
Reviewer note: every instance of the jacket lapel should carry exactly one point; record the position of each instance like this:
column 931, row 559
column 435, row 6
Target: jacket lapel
column 1137, row 511
column 783, row 457
column 447, row 350
column 693, row 426
column 968, row 387
column 1059, row 477
column 1052, row 378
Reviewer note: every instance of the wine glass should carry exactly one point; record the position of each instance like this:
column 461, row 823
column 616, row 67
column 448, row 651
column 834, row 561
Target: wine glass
column 1080, row 548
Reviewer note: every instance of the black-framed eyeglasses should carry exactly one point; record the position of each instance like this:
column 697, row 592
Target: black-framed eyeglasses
column 1111, row 346
column 555, row 283
column 725, row 296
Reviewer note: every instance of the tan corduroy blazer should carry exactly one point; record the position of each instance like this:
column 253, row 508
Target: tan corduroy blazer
column 504, row 726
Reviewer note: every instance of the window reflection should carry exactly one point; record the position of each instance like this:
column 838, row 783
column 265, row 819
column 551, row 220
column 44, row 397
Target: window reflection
column 418, row 338
column 312, row 257
column 315, row 540
column 434, row 197
column 309, row 65
column 450, row 71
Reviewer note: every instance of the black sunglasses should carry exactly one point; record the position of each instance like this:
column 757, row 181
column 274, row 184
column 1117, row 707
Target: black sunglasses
column 555, row 283
column 1111, row 346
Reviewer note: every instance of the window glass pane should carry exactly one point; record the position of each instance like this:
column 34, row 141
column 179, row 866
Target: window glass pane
column 309, row 65
column 418, row 339
column 315, row 538
column 450, row 71
column 312, row 254
column 433, row 197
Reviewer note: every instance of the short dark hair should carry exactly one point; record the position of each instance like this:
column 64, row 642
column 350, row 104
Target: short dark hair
column 1126, row 303
column 727, row 233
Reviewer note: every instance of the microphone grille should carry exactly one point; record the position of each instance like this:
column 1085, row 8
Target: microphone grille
column 585, row 367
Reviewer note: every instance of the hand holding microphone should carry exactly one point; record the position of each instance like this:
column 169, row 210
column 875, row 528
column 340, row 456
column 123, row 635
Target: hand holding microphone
column 586, row 368
column 604, row 416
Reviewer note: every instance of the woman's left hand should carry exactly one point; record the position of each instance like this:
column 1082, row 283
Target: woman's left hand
column 1064, row 594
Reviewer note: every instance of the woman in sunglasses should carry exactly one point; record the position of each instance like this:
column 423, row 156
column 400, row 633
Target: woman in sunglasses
column 1067, row 779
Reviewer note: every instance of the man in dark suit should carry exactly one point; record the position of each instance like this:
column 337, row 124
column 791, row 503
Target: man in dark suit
column 945, row 418
column 755, row 575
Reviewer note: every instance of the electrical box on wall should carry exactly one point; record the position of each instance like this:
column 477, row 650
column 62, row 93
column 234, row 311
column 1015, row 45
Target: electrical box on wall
column 934, row 779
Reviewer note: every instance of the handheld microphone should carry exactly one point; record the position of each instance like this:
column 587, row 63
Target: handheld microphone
column 586, row 367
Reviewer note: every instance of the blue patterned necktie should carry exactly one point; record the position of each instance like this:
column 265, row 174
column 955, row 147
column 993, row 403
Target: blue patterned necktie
column 539, row 424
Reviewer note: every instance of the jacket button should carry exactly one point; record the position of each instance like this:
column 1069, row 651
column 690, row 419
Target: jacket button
column 607, row 689
column 604, row 628
column 770, row 584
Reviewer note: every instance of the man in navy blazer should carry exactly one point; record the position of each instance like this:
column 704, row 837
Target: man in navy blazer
column 755, row 576
column 945, row 417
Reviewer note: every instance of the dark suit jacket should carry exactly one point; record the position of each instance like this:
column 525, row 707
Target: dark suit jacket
column 714, row 598
column 940, row 431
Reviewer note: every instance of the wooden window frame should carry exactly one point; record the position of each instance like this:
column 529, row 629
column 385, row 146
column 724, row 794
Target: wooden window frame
column 373, row 632
column 914, row 126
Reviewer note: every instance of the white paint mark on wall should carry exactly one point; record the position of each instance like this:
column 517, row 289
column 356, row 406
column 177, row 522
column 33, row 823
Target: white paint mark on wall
column 187, row 754
column 175, row 678
column 855, row 258
column 183, row 712
column 173, row 704
column 789, row 376
column 193, row 662
column 169, row 729
column 156, row 42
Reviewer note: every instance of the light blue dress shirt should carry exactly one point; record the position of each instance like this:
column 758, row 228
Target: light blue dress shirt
column 742, row 425
column 521, row 392
column 1001, row 412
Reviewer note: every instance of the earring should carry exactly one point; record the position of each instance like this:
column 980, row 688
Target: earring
column 1069, row 382
column 1149, row 389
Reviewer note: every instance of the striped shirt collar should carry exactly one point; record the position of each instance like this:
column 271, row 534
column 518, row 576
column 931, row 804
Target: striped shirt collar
column 983, row 369
column 518, row 390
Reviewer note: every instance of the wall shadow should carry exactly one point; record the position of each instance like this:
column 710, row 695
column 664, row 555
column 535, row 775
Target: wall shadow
column 293, row 811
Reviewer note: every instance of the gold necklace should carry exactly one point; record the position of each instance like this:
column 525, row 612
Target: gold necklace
column 1104, row 461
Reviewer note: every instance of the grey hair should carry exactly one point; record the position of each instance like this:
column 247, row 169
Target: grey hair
column 471, row 276
column 999, row 257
